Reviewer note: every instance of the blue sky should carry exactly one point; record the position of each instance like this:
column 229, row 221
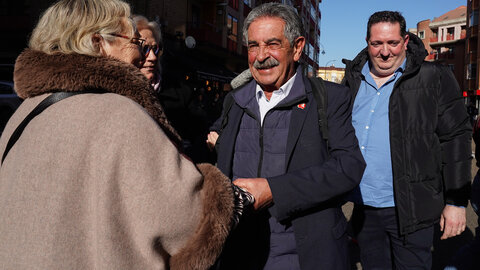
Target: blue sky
column 344, row 22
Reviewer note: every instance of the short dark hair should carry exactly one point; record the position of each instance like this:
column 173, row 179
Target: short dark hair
column 387, row 16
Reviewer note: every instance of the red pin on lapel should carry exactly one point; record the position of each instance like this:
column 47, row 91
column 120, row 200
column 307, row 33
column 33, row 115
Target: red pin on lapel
column 301, row 106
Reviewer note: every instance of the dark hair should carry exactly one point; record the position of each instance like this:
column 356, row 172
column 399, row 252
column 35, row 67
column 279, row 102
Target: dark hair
column 387, row 16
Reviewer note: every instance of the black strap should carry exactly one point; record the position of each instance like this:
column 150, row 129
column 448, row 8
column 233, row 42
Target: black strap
column 320, row 94
column 227, row 105
column 53, row 98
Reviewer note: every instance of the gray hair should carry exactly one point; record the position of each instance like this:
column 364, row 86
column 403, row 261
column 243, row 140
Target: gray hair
column 293, row 22
column 143, row 23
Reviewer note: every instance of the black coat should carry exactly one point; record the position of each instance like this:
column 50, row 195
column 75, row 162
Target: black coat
column 430, row 138
column 308, row 195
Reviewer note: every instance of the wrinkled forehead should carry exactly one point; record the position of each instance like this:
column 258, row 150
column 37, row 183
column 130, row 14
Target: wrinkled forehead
column 147, row 34
column 266, row 28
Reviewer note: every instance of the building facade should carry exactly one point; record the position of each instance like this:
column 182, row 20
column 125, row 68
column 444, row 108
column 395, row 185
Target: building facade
column 331, row 74
column 444, row 39
column 472, row 58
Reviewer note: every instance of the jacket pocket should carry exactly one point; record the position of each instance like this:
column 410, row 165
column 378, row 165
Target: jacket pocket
column 427, row 198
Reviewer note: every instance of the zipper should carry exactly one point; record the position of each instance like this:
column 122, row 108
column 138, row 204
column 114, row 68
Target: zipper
column 260, row 162
column 262, row 124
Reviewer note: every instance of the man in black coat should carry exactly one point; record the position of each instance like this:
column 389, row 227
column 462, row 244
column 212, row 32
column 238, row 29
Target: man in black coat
column 272, row 146
column 415, row 135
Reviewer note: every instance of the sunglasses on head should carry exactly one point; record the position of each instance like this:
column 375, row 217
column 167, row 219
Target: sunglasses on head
column 147, row 48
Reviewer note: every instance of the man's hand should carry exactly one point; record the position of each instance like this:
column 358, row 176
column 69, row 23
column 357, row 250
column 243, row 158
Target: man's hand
column 211, row 139
column 259, row 188
column 452, row 221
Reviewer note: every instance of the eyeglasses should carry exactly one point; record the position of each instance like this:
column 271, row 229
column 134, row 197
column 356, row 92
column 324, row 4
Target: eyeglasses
column 154, row 48
column 134, row 40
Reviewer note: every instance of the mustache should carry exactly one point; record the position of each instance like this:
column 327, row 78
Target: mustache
column 268, row 63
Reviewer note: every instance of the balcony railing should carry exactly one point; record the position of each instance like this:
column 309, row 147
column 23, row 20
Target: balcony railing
column 446, row 55
column 448, row 37
column 440, row 56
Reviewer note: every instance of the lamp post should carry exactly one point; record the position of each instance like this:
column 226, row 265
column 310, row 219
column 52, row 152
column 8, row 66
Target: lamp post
column 322, row 48
column 322, row 51
column 325, row 68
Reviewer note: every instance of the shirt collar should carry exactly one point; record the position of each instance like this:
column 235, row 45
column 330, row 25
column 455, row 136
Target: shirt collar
column 283, row 91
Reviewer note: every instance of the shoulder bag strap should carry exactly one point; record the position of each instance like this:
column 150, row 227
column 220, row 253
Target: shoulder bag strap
column 53, row 98
column 320, row 94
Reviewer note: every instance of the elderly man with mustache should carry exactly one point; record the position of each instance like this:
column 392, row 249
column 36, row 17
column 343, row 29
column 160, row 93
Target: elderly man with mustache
column 271, row 145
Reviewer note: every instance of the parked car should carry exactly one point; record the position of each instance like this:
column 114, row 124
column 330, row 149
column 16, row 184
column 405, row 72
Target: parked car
column 9, row 101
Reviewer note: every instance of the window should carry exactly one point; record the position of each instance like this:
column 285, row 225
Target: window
column 334, row 77
column 248, row 2
column 310, row 71
column 313, row 12
column 232, row 27
column 471, row 71
column 474, row 18
column 450, row 33
column 233, row 4
column 310, row 50
column 421, row 34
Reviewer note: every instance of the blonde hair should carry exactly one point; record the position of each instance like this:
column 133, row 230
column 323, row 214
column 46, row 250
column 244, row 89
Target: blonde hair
column 143, row 23
column 68, row 26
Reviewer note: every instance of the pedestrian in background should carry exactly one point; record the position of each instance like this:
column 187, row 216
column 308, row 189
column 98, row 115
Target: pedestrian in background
column 95, row 181
column 272, row 146
column 414, row 133
column 152, row 49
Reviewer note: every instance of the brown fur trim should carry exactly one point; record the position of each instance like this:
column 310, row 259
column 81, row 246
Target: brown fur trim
column 206, row 245
column 37, row 73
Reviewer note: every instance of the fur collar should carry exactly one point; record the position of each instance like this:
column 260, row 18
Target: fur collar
column 37, row 73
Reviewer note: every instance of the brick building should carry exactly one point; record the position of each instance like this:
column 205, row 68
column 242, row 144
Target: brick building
column 472, row 58
column 331, row 73
column 444, row 39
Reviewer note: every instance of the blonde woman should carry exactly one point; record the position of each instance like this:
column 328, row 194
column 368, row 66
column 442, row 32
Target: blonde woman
column 95, row 181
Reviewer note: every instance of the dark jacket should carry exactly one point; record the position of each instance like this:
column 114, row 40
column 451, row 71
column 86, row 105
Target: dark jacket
column 307, row 195
column 430, row 138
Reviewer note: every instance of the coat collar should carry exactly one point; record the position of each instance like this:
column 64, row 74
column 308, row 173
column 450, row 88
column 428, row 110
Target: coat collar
column 244, row 95
column 38, row 73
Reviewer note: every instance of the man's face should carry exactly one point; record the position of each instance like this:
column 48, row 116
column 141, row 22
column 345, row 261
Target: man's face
column 271, row 57
column 386, row 48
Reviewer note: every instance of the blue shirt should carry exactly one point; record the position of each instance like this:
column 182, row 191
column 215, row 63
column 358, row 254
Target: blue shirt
column 371, row 122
